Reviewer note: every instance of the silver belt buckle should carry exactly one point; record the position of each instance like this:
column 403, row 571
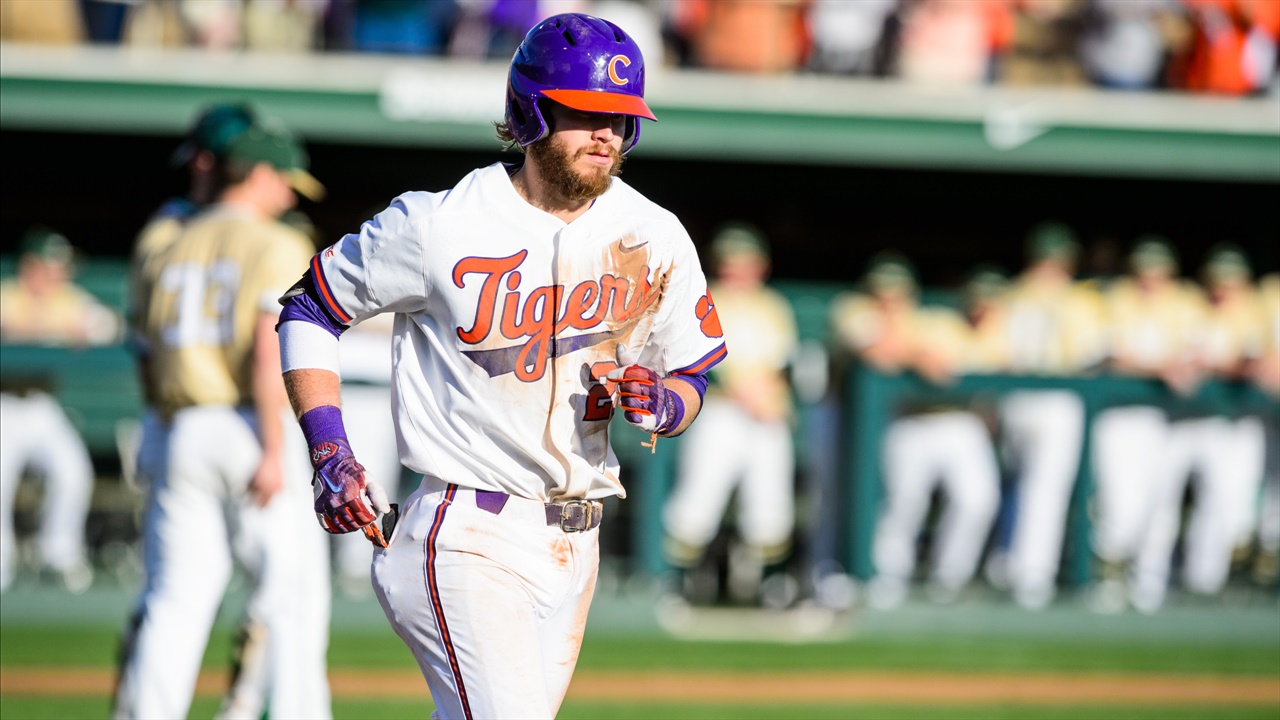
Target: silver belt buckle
column 577, row 512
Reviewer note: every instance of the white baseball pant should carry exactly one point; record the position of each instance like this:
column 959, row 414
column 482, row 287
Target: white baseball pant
column 1043, row 431
column 952, row 449
column 37, row 436
column 199, row 518
column 1128, row 444
column 1223, row 457
column 728, row 448
column 493, row 606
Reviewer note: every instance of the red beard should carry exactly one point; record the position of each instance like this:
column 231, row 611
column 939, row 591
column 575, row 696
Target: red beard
column 558, row 169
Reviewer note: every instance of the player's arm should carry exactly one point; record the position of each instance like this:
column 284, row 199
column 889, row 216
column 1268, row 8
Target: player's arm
column 344, row 499
column 268, row 401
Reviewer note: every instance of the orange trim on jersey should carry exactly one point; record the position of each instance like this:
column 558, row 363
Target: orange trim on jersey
column 433, row 591
column 716, row 356
column 325, row 293
column 601, row 102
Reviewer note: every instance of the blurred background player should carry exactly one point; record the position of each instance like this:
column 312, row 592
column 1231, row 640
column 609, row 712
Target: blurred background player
column 200, row 154
column 928, row 445
column 748, row 408
column 1265, row 375
column 42, row 306
column 1053, row 327
column 1151, row 320
column 1224, row 454
column 225, row 478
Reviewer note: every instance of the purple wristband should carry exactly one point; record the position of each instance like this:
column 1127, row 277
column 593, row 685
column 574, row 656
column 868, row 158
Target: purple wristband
column 323, row 424
column 675, row 412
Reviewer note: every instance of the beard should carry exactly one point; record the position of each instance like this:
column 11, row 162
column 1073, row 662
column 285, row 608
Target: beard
column 557, row 167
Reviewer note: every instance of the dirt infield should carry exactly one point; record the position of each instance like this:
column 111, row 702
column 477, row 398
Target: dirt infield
column 799, row 688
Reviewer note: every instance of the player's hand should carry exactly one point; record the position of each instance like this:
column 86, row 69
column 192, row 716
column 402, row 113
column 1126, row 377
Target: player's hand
column 267, row 480
column 345, row 500
column 645, row 401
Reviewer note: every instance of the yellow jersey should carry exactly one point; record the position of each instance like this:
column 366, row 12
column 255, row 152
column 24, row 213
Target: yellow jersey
column 204, row 294
column 1153, row 330
column 760, row 327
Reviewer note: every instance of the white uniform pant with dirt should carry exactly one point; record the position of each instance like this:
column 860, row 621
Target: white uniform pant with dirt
column 1043, row 432
column 728, row 448
column 952, row 449
column 1225, row 458
column 1129, row 444
column 493, row 605
column 35, row 435
column 366, row 410
column 198, row 519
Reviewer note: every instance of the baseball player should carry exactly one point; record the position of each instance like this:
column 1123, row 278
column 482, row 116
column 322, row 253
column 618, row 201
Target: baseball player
column 42, row 306
column 528, row 300
column 203, row 154
column 1226, row 453
column 1151, row 319
column 1264, row 373
column 748, row 406
column 221, row 478
column 1053, row 328
column 929, row 445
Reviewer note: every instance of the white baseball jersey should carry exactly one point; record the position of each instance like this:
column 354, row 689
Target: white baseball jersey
column 505, row 318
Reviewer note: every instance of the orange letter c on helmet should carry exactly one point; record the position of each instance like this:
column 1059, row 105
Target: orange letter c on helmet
column 613, row 69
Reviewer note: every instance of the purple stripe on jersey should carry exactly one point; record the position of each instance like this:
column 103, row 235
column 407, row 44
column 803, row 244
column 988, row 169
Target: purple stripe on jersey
column 696, row 374
column 433, row 591
column 307, row 308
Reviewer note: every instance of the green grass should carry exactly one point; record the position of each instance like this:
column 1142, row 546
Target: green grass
column 18, row 707
column 89, row 646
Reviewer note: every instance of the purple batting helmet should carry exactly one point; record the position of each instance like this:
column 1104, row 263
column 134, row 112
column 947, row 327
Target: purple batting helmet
column 581, row 62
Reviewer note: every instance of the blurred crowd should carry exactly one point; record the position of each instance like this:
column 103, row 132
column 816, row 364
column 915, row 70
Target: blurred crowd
column 1216, row 46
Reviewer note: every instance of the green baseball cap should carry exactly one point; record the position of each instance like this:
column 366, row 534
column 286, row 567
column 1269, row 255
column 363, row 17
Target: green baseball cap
column 47, row 244
column 890, row 270
column 1152, row 252
column 1052, row 240
column 214, row 130
column 985, row 282
column 1226, row 261
column 737, row 239
column 280, row 149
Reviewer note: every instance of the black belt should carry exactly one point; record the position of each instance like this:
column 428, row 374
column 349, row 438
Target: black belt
column 569, row 516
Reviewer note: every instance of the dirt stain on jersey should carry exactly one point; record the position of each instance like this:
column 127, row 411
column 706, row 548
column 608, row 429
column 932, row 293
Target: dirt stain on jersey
column 631, row 257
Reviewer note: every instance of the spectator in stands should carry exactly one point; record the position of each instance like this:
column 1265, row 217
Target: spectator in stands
column 849, row 35
column 45, row 22
column 1054, row 328
column 749, row 36
column 402, row 27
column 1151, row 319
column 747, row 407
column 953, row 42
column 1044, row 47
column 1224, row 453
column 1233, row 46
column 41, row 306
column 1125, row 43
column 929, row 444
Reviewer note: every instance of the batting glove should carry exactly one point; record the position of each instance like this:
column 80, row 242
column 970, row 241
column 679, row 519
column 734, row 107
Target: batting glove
column 646, row 402
column 344, row 500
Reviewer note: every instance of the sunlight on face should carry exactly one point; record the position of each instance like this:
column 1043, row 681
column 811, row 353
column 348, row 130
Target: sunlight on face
column 582, row 154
